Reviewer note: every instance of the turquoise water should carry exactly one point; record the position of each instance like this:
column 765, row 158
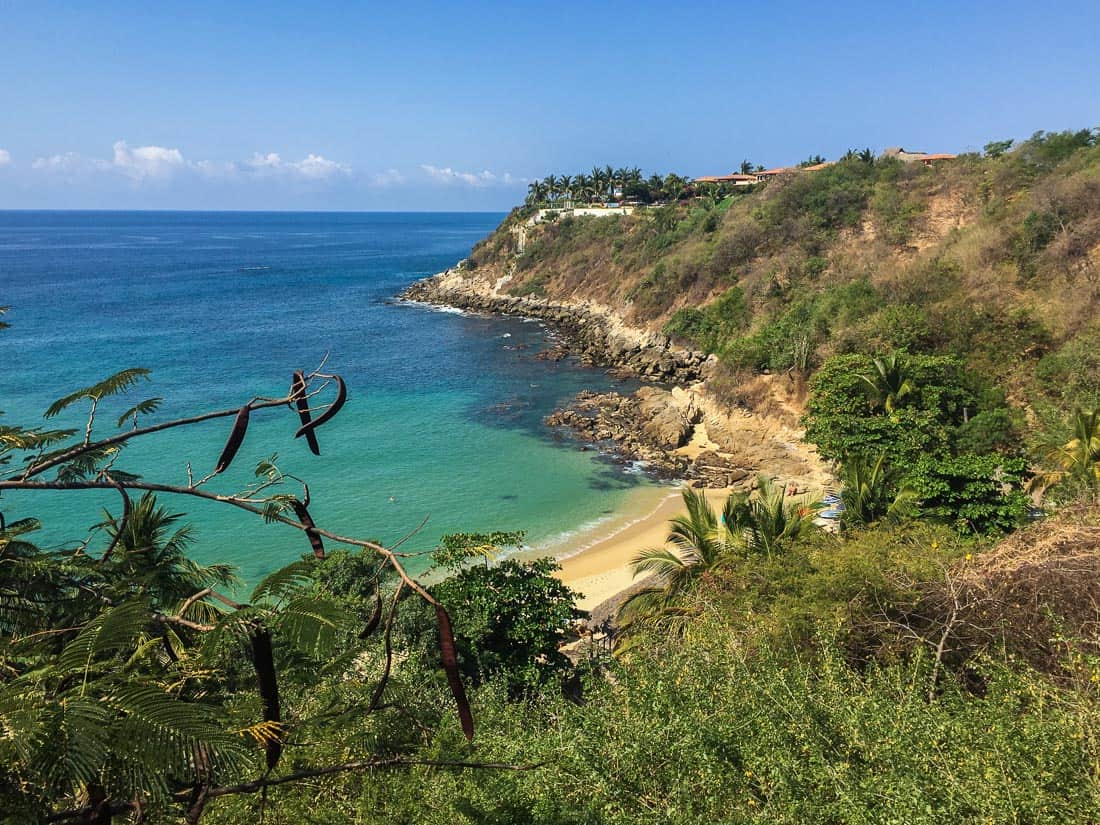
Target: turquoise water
column 444, row 412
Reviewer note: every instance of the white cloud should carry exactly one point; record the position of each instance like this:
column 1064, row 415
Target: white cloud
column 316, row 167
column 269, row 161
column 214, row 169
column 154, row 163
column 446, row 176
column 147, row 161
column 312, row 167
column 68, row 163
column 5, row 157
column 391, row 177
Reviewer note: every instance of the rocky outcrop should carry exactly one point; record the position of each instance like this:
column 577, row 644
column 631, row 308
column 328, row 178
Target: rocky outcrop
column 682, row 433
column 595, row 335
column 679, row 433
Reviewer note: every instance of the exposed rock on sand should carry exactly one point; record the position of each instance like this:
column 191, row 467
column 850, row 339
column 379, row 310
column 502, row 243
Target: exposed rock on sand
column 681, row 433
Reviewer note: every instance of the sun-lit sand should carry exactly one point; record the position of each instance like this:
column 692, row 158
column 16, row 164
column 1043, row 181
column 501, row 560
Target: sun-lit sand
column 602, row 569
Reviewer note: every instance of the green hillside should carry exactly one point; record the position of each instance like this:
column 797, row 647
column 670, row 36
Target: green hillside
column 992, row 258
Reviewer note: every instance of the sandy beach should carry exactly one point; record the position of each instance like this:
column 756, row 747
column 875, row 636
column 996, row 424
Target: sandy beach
column 602, row 569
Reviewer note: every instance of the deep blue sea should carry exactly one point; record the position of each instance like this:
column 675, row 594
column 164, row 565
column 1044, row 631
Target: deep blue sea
column 444, row 412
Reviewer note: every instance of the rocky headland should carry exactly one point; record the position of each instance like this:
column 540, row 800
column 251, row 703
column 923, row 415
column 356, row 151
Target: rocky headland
column 680, row 432
column 591, row 332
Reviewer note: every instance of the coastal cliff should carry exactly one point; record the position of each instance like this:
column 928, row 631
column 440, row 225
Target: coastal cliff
column 592, row 332
column 681, row 431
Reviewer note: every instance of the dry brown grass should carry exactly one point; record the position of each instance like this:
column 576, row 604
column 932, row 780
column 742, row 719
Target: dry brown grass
column 1037, row 592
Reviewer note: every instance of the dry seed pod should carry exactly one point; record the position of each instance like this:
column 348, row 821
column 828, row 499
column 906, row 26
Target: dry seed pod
column 375, row 617
column 314, row 537
column 264, row 662
column 450, row 665
column 99, row 805
column 298, row 393
column 233, row 443
column 330, row 413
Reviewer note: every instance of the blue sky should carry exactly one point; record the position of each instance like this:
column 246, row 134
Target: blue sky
column 237, row 105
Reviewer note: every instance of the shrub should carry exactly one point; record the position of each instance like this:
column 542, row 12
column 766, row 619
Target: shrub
column 509, row 619
column 841, row 420
column 973, row 494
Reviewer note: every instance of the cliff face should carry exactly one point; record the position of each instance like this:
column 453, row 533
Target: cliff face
column 596, row 333
column 738, row 300
column 996, row 260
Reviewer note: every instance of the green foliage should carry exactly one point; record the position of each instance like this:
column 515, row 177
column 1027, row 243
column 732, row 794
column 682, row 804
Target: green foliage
column 712, row 326
column 895, row 212
column 973, row 494
column 509, row 619
column 842, row 421
column 697, row 730
column 457, row 549
column 766, row 523
column 1071, row 374
column 116, row 384
column 873, row 491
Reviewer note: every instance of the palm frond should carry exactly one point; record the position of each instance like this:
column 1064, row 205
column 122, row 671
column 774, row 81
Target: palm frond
column 112, row 385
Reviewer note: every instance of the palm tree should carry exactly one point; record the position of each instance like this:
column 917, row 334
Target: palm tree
column 566, row 184
column 150, row 557
column 1079, row 458
column 551, row 183
column 871, row 492
column 582, row 186
column 766, row 523
column 699, row 546
column 890, row 382
column 701, row 541
column 536, row 192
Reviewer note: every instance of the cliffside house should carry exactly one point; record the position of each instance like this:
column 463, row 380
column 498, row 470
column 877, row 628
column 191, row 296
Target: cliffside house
column 916, row 157
column 735, row 178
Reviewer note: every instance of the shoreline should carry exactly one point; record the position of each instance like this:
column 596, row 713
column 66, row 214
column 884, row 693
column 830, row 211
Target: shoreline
column 599, row 571
column 595, row 561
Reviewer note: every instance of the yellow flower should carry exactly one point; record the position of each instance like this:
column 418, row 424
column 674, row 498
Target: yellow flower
column 969, row 556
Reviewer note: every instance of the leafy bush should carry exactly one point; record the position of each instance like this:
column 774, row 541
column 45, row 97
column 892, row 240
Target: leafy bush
column 509, row 620
column 974, row 494
column 842, row 420
column 710, row 327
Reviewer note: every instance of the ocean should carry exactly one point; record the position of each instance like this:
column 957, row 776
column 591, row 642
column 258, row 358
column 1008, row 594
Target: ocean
column 444, row 417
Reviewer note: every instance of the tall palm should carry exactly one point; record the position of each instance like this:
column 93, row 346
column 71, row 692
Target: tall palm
column 582, row 186
column 565, row 183
column 536, row 192
column 890, row 382
column 871, row 492
column 552, row 186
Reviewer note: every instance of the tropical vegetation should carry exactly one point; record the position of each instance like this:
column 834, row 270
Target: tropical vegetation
column 934, row 658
